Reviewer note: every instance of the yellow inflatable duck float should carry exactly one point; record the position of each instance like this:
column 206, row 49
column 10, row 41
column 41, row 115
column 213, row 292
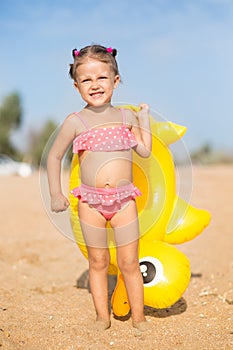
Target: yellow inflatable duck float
column 165, row 219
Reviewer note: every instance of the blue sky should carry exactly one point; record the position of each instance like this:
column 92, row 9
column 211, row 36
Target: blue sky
column 176, row 55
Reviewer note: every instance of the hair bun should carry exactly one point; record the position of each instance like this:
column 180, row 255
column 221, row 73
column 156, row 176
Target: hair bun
column 114, row 52
column 74, row 53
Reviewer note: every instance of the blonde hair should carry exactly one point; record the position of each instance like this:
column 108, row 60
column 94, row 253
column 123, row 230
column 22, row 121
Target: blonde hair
column 98, row 52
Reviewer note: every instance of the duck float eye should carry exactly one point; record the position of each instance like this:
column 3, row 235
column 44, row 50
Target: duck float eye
column 151, row 270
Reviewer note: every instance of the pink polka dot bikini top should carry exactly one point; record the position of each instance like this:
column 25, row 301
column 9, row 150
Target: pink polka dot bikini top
column 115, row 138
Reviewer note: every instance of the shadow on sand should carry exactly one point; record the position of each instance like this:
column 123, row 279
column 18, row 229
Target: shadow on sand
column 178, row 308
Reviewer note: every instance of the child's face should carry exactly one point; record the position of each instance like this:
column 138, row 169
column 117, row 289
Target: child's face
column 96, row 82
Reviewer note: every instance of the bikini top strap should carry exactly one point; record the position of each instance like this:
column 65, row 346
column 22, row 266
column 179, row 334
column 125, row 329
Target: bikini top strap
column 82, row 120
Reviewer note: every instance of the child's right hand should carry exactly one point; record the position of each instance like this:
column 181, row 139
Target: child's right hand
column 59, row 203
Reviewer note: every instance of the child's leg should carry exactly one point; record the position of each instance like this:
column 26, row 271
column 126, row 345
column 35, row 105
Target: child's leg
column 128, row 263
column 94, row 232
column 126, row 230
column 98, row 267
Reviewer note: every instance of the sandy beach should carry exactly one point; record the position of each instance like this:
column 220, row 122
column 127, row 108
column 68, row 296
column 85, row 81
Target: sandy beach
column 41, row 307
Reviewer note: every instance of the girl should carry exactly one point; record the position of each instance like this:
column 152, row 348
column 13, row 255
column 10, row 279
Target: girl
column 104, row 136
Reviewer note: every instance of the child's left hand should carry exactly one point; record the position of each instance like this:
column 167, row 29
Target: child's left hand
column 144, row 106
column 144, row 111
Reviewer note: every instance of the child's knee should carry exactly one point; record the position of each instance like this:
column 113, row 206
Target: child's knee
column 128, row 265
column 99, row 263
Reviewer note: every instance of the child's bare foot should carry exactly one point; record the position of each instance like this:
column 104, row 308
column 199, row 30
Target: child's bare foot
column 142, row 326
column 101, row 324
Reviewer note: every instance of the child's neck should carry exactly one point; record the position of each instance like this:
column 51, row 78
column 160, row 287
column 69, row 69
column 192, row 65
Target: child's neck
column 99, row 109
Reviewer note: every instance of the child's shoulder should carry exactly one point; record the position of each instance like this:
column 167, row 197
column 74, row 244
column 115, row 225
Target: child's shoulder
column 73, row 117
column 73, row 121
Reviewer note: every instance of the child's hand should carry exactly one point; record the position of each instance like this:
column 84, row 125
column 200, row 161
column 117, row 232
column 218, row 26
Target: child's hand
column 59, row 203
column 144, row 111
column 144, row 106
column 143, row 131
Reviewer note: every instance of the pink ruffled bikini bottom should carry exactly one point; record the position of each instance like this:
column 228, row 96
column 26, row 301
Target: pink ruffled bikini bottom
column 108, row 201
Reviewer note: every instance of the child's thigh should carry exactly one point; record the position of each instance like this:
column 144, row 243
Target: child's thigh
column 125, row 225
column 93, row 226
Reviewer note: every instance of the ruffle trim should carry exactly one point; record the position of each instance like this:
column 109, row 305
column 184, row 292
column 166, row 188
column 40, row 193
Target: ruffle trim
column 105, row 139
column 105, row 196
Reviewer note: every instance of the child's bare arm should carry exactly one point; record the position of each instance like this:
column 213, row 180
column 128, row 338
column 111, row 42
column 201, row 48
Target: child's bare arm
column 59, row 202
column 142, row 131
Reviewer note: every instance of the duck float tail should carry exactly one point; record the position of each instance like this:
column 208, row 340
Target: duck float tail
column 165, row 272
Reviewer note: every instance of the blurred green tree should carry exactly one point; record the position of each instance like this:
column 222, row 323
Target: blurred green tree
column 203, row 154
column 38, row 140
column 10, row 120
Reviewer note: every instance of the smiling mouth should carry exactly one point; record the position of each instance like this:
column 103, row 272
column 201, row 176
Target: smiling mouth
column 97, row 94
